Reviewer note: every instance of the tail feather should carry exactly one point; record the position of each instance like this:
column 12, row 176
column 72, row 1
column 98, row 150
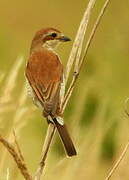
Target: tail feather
column 66, row 139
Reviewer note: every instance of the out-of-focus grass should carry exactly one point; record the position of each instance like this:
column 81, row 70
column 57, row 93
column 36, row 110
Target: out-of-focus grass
column 94, row 115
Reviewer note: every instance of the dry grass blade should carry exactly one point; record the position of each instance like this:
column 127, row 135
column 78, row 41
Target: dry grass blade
column 17, row 116
column 118, row 162
column 10, row 82
column 76, row 73
column 48, row 139
column 22, row 166
column 77, row 45
column 18, row 147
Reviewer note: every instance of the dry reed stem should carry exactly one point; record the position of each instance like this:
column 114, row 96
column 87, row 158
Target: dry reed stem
column 118, row 162
column 47, row 142
column 80, row 63
column 18, row 147
column 77, row 45
column 22, row 166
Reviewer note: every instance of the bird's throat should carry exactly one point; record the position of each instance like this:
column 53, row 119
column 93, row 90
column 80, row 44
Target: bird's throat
column 51, row 44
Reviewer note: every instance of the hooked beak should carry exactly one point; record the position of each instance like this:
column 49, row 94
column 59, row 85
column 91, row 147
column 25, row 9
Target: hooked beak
column 64, row 38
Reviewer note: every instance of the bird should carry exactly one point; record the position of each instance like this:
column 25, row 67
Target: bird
column 44, row 73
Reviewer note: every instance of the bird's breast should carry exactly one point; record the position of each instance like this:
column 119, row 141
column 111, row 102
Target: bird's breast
column 46, row 66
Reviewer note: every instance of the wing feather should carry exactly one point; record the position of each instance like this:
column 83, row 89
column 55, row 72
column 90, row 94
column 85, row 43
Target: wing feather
column 44, row 73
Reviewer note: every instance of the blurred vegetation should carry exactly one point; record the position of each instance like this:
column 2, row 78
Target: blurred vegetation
column 95, row 114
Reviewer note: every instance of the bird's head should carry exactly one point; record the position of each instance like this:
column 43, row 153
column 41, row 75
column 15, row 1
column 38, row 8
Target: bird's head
column 48, row 38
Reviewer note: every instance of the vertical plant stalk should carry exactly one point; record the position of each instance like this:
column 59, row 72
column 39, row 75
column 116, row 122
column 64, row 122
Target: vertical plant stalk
column 81, row 60
column 46, row 146
column 118, row 162
column 78, row 42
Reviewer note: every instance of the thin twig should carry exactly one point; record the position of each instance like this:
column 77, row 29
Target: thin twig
column 118, row 162
column 75, row 76
column 47, row 142
column 22, row 166
column 17, row 146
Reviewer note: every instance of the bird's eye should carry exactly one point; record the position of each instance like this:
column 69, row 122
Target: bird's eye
column 53, row 34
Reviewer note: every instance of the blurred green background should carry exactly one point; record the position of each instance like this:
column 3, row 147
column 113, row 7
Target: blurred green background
column 95, row 113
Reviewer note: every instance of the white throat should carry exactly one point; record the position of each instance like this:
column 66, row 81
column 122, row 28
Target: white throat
column 51, row 44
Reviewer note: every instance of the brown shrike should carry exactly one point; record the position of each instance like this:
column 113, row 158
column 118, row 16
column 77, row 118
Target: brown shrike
column 44, row 73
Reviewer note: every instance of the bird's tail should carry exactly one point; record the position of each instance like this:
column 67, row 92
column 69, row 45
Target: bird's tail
column 65, row 137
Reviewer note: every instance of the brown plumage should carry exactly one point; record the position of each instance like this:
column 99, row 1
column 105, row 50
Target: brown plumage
column 44, row 73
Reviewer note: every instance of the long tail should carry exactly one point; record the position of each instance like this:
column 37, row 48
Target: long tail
column 65, row 137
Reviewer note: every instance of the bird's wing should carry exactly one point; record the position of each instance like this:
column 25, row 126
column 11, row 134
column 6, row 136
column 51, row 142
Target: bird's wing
column 44, row 73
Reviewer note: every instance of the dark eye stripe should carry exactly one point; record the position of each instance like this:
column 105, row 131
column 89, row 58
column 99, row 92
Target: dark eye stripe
column 53, row 34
